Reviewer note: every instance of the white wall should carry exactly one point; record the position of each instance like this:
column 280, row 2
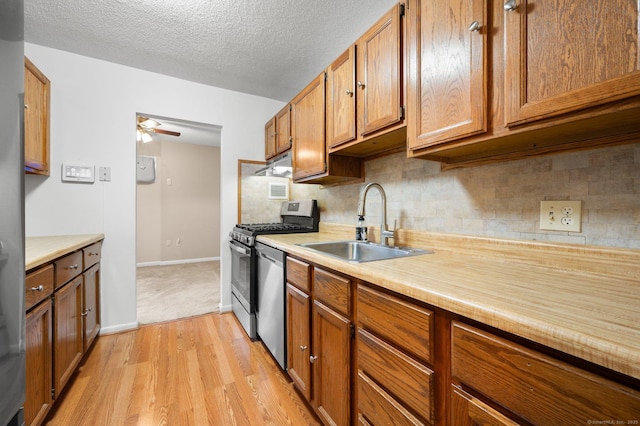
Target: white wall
column 93, row 113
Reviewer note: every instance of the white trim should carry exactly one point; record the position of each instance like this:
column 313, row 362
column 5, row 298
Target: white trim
column 118, row 328
column 176, row 262
column 225, row 308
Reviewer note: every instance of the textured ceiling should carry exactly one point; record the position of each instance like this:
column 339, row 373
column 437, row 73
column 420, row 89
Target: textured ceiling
column 269, row 48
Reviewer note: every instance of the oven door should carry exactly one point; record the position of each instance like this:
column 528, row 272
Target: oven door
column 243, row 274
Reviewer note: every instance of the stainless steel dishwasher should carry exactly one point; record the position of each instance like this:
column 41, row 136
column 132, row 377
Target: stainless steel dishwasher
column 270, row 310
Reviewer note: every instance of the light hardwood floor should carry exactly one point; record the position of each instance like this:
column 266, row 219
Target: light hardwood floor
column 195, row 371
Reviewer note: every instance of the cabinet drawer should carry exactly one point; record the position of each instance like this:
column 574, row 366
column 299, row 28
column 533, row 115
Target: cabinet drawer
column 38, row 286
column 299, row 274
column 375, row 406
column 91, row 255
column 404, row 324
column 68, row 268
column 536, row 387
column 410, row 382
column 332, row 289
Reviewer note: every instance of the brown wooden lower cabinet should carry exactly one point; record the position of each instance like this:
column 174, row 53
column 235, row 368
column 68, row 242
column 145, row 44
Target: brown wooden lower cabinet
column 319, row 340
column 331, row 359
column 532, row 386
column 413, row 364
column 62, row 321
column 68, row 343
column 299, row 339
column 39, row 352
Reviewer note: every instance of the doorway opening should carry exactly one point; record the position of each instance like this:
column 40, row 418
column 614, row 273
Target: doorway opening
column 177, row 218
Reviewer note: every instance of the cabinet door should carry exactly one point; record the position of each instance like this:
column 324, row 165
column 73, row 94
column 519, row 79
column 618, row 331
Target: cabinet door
column 270, row 139
column 447, row 67
column 331, row 365
column 91, row 305
column 379, row 74
column 39, row 357
column 68, row 343
column 308, row 130
column 36, row 120
column 563, row 56
column 341, row 102
column 283, row 129
column 299, row 339
column 469, row 411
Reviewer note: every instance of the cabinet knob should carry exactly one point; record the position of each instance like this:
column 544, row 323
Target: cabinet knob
column 361, row 85
column 312, row 359
column 303, row 347
column 73, row 266
column 26, row 106
column 349, row 92
column 510, row 5
column 39, row 288
column 475, row 26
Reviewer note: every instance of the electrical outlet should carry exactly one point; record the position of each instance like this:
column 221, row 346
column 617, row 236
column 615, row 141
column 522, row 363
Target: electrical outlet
column 561, row 215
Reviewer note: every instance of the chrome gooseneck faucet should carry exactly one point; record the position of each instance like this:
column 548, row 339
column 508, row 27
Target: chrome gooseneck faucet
column 385, row 234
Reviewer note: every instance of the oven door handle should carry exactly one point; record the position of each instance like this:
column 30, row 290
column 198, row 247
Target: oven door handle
column 271, row 259
column 242, row 250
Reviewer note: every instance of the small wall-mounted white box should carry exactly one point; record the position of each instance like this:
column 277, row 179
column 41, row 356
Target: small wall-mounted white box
column 77, row 173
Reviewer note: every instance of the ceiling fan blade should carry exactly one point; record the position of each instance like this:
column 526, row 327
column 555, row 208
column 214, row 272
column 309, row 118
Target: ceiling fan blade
column 166, row 132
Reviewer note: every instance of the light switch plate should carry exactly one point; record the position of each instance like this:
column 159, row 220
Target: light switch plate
column 77, row 173
column 561, row 215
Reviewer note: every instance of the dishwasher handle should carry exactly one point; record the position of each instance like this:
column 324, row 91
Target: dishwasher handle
column 271, row 259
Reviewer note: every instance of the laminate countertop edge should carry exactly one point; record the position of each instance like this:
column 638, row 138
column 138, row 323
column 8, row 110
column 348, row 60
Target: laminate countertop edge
column 41, row 250
column 584, row 314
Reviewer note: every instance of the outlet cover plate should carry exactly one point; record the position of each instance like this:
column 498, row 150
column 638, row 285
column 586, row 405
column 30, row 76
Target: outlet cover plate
column 562, row 215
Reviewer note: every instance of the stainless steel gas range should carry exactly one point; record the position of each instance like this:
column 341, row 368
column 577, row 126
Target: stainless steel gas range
column 258, row 287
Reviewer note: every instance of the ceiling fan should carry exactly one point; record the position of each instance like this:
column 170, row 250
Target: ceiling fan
column 147, row 126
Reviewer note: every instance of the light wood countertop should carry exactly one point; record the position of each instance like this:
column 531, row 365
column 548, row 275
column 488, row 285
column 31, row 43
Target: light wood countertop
column 40, row 250
column 579, row 300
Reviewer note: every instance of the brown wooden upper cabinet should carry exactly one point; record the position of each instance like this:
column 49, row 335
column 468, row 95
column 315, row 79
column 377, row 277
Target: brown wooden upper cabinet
column 307, row 129
column 311, row 162
column 270, row 139
column 499, row 80
column 277, row 133
column 36, row 120
column 365, row 91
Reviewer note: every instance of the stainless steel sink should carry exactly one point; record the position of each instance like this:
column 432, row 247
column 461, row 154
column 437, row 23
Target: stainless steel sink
column 362, row 251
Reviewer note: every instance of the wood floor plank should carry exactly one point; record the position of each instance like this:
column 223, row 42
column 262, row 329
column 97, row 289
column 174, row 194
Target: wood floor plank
column 196, row 371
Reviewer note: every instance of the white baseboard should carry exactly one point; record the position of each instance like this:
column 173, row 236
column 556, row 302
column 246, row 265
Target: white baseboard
column 225, row 308
column 176, row 262
column 118, row 328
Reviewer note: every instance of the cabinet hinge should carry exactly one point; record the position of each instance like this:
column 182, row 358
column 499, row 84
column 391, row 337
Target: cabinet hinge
column 402, row 9
column 402, row 112
column 53, row 392
column 325, row 76
column 353, row 330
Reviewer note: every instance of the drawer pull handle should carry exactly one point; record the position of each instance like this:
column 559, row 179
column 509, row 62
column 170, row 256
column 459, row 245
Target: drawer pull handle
column 312, row 359
column 303, row 347
column 86, row 312
column 93, row 254
column 39, row 288
column 475, row 26
column 73, row 266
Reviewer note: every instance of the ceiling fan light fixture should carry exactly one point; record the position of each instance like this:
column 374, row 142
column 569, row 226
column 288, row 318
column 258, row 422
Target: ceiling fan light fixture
column 149, row 123
column 146, row 137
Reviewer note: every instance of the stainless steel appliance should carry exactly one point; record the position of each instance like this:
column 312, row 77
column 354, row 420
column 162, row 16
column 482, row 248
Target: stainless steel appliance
column 297, row 216
column 12, row 317
column 270, row 309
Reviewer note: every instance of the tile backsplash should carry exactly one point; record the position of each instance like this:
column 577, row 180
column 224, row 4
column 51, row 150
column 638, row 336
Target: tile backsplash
column 499, row 200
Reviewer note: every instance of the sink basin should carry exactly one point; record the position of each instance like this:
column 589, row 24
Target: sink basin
column 362, row 251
